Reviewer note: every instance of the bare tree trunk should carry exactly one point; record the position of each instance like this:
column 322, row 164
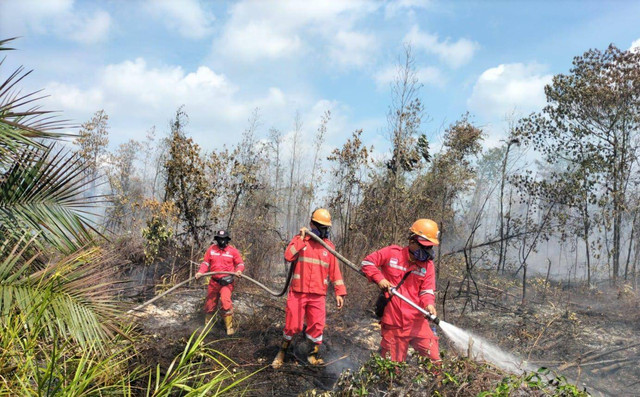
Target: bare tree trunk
column 507, row 231
column 313, row 184
column 633, row 229
column 524, row 284
column 546, row 279
column 275, row 142
column 293, row 165
column 502, row 253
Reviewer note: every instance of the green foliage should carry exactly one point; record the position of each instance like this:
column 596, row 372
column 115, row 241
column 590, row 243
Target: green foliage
column 450, row 175
column 33, row 366
column 386, row 197
column 21, row 124
column 126, row 187
column 587, row 136
column 158, row 231
column 199, row 370
column 186, row 184
column 41, row 192
column 92, row 141
column 453, row 376
column 72, row 293
column 351, row 165
column 537, row 381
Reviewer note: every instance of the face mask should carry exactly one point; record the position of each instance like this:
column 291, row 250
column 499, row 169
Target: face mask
column 222, row 243
column 423, row 254
column 321, row 232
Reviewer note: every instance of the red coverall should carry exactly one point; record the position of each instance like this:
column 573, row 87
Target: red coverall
column 314, row 265
column 220, row 260
column 401, row 324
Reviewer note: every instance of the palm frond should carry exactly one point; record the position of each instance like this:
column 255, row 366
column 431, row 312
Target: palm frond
column 74, row 292
column 43, row 192
column 21, row 121
column 3, row 42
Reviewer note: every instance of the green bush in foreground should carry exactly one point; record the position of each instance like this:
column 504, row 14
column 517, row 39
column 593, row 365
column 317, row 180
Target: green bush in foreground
column 31, row 365
column 456, row 376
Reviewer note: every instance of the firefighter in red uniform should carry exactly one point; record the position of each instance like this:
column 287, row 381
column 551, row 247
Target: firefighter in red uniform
column 314, row 267
column 401, row 324
column 221, row 257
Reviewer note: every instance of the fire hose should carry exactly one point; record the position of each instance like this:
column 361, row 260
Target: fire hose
column 392, row 290
column 256, row 282
column 344, row 260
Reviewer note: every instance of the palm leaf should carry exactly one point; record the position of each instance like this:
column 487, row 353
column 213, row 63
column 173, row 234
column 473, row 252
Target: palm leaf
column 4, row 42
column 43, row 192
column 21, row 121
column 74, row 292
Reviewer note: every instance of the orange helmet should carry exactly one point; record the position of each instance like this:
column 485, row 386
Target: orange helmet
column 426, row 230
column 321, row 216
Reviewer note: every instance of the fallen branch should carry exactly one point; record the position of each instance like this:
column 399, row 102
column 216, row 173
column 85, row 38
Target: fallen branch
column 540, row 335
column 578, row 361
column 614, row 360
column 495, row 289
column 619, row 364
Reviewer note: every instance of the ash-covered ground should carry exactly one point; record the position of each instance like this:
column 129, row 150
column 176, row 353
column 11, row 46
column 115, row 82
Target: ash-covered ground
column 591, row 337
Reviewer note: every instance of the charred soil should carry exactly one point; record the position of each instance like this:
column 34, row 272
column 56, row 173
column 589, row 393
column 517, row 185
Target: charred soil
column 588, row 336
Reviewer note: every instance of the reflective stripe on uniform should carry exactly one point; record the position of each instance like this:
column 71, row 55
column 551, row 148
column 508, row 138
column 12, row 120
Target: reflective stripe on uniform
column 326, row 282
column 426, row 291
column 367, row 263
column 287, row 337
column 316, row 340
column 314, row 261
column 393, row 265
column 338, row 282
column 296, row 276
column 293, row 250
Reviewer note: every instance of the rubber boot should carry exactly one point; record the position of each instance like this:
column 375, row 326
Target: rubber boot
column 228, row 322
column 312, row 358
column 207, row 318
column 279, row 360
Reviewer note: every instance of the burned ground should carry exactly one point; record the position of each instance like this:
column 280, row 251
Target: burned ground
column 587, row 336
column 260, row 320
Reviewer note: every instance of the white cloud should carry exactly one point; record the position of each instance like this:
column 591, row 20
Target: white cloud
column 395, row 7
column 187, row 17
column 58, row 17
column 353, row 49
column 259, row 39
column 137, row 96
column 635, row 46
column 455, row 54
column 279, row 29
column 429, row 75
column 510, row 87
column 93, row 29
column 68, row 97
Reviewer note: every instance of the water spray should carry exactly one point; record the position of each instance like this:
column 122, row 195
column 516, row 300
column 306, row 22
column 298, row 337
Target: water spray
column 474, row 346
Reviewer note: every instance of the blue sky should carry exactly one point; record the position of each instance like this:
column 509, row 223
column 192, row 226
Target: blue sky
column 140, row 60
